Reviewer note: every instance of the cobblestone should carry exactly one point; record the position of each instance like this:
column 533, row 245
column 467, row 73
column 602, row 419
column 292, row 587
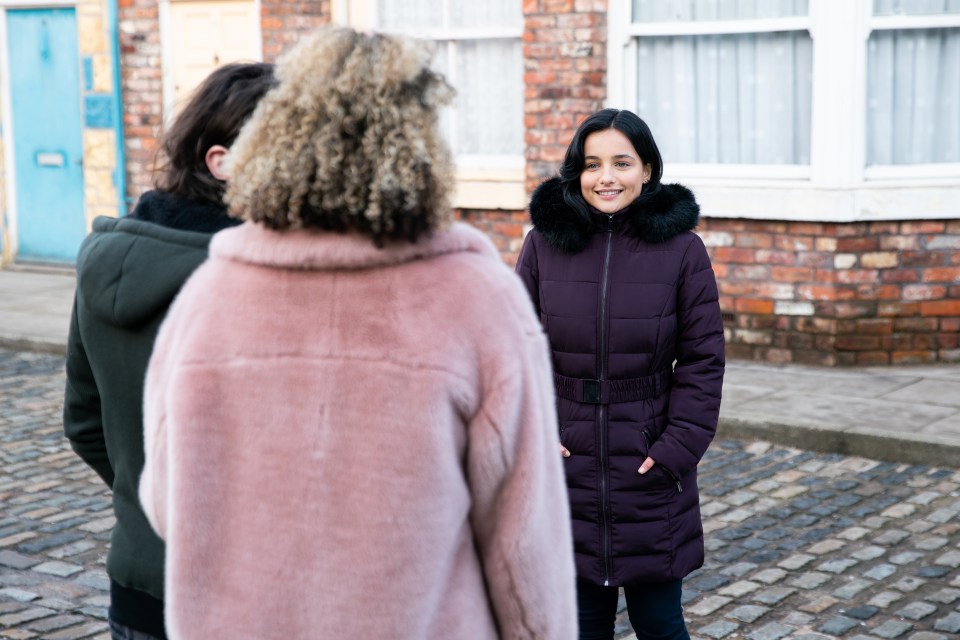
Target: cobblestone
column 876, row 545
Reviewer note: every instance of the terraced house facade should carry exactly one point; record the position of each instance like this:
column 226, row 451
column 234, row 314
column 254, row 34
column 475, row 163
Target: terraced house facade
column 822, row 138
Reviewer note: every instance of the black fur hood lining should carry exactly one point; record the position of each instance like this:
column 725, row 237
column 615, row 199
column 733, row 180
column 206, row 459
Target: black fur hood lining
column 669, row 212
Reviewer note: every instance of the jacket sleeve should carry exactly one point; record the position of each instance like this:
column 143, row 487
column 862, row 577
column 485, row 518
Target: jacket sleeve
column 82, row 417
column 698, row 372
column 520, row 515
column 528, row 271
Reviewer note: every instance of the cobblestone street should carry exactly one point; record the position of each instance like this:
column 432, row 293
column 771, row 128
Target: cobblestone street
column 800, row 544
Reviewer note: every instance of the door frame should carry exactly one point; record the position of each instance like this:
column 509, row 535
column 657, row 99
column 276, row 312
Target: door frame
column 9, row 230
column 166, row 52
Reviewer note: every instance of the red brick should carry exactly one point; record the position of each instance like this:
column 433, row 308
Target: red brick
column 733, row 254
column 748, row 305
column 923, row 292
column 873, row 358
column 900, row 275
column 911, row 228
column 922, row 259
column 875, row 326
column 856, row 276
column 913, row 357
column 792, row 274
column 857, row 244
column 857, row 343
column 767, row 256
column 898, row 309
column 816, row 292
column 940, row 308
column 943, row 274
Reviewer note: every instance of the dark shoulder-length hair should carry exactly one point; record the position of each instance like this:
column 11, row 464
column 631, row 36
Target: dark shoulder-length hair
column 636, row 131
column 214, row 115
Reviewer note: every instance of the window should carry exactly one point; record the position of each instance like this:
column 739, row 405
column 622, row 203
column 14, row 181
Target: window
column 479, row 49
column 803, row 109
column 913, row 83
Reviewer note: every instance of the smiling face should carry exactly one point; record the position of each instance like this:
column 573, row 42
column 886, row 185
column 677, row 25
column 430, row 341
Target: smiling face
column 613, row 173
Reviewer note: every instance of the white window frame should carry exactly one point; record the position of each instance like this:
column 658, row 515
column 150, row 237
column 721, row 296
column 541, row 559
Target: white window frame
column 835, row 186
column 482, row 181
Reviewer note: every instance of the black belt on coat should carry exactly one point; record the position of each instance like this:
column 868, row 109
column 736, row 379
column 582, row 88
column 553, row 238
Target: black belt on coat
column 610, row 391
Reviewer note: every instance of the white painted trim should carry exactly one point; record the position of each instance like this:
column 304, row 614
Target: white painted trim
column 738, row 172
column 837, row 126
column 11, row 244
column 804, row 202
column 914, row 173
column 942, row 21
column 716, row 27
column 463, row 33
column 36, row 4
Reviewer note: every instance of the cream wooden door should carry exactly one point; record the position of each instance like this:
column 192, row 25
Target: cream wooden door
column 208, row 34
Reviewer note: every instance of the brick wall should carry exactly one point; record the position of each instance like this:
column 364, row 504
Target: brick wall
column 838, row 294
column 141, row 90
column 283, row 23
column 565, row 63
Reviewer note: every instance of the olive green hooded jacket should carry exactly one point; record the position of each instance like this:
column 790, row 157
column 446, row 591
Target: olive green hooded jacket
column 128, row 273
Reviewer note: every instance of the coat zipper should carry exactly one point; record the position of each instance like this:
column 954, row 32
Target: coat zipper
column 604, row 498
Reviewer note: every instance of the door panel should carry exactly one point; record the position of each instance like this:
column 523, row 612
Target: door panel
column 47, row 137
column 206, row 35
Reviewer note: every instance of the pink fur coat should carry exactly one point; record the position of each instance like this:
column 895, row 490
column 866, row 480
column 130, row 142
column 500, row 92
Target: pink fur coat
column 351, row 442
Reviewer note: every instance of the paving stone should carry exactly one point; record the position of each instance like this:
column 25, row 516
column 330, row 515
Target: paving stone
column 796, row 561
column 853, row 533
column 56, row 568
column 949, row 623
column 818, row 604
column 826, row 546
column 949, row 559
column 927, row 635
column 885, row 599
column 933, row 572
column 19, row 595
column 772, row 595
column 25, row 615
column 748, row 613
column 908, row 584
column 15, row 560
column 851, row 589
column 838, row 565
column 892, row 537
column 718, row 630
column 944, row 596
column 739, row 569
column 891, row 629
column 739, row 588
column 838, row 625
column 708, row 605
column 906, row 557
column 916, row 610
column 769, row 576
column 881, row 572
column 809, row 580
column 868, row 553
column 864, row 612
column 771, row 631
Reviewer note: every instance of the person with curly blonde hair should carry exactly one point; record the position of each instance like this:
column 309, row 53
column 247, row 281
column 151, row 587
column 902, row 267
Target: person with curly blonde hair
column 349, row 414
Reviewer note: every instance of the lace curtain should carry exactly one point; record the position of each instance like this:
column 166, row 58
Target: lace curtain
column 486, row 117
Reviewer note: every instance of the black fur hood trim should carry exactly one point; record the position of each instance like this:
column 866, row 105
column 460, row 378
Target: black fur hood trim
column 669, row 212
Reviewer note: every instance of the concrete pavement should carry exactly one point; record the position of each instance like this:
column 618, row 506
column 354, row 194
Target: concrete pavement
column 897, row 414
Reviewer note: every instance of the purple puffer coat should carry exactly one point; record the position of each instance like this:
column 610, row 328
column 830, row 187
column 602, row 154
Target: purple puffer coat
column 629, row 303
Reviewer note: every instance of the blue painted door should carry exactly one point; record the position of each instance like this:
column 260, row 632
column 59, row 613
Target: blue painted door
column 47, row 137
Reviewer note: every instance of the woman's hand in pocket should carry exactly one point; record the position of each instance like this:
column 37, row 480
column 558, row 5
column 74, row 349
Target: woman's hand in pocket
column 564, row 451
column 646, row 466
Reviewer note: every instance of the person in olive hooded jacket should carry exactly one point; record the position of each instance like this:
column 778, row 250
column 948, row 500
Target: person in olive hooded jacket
column 628, row 299
column 128, row 272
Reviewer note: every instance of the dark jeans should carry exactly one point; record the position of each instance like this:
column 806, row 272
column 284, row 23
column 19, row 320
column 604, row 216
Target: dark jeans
column 654, row 611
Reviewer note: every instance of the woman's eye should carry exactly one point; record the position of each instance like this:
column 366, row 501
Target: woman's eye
column 622, row 165
column 591, row 165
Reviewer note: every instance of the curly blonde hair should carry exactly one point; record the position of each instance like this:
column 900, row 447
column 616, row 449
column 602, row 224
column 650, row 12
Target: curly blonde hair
column 348, row 140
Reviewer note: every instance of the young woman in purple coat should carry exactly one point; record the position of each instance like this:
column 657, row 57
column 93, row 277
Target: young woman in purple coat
column 628, row 299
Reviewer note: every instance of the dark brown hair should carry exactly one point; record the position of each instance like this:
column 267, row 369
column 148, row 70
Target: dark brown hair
column 214, row 115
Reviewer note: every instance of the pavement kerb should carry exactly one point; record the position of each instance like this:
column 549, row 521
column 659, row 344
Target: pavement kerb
column 36, row 345
column 907, row 448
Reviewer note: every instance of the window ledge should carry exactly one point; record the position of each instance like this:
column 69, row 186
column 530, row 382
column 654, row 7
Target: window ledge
column 868, row 202
column 480, row 188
